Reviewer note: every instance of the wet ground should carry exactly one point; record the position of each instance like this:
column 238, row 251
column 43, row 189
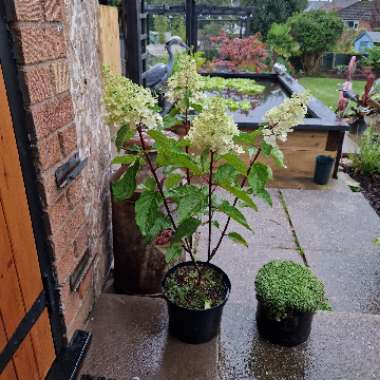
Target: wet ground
column 336, row 230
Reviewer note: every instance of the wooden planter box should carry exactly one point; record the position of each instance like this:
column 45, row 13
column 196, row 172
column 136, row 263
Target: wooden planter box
column 320, row 133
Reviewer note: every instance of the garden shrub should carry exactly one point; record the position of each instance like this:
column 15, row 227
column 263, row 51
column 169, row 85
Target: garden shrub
column 367, row 161
column 283, row 286
column 316, row 33
column 241, row 54
column 373, row 58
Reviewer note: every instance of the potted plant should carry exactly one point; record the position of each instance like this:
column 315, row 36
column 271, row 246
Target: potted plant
column 288, row 296
column 202, row 171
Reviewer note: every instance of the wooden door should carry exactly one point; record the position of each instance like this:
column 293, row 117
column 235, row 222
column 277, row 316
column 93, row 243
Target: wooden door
column 21, row 287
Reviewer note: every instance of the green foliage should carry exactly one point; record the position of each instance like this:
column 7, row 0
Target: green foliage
column 125, row 186
column 284, row 287
column 233, row 212
column 270, row 11
column 172, row 253
column 123, row 134
column 258, row 178
column 367, row 161
column 186, row 229
column 236, row 162
column 239, row 85
column 161, row 26
column 191, row 200
column 373, row 58
column 316, row 32
column 281, row 41
column 237, row 238
column 149, row 217
column 345, row 43
column 178, row 27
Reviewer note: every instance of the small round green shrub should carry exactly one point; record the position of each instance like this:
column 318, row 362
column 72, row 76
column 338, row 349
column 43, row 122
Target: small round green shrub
column 283, row 287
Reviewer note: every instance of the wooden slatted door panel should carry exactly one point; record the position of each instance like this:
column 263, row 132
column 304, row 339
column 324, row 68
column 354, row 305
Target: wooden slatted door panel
column 20, row 276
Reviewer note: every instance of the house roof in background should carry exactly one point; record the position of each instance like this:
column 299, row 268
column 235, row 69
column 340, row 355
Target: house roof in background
column 374, row 36
column 362, row 10
column 329, row 5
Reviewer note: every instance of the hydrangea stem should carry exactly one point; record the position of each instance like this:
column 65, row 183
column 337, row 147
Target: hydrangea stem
column 243, row 182
column 210, row 205
column 185, row 246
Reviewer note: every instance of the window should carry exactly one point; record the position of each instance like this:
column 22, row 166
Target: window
column 353, row 24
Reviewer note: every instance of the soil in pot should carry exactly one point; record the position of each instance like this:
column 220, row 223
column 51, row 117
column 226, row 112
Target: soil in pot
column 195, row 300
column 290, row 331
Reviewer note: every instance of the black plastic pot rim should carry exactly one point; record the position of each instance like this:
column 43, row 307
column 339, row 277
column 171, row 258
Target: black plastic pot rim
column 289, row 311
column 204, row 263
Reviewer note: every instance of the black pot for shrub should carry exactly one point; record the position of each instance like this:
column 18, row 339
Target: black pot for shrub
column 290, row 331
column 196, row 326
column 323, row 167
column 288, row 295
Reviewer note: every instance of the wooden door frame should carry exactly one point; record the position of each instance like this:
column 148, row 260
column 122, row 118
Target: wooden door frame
column 68, row 354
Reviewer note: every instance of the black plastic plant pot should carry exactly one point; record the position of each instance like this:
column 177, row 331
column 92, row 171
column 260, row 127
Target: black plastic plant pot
column 290, row 331
column 196, row 326
column 323, row 167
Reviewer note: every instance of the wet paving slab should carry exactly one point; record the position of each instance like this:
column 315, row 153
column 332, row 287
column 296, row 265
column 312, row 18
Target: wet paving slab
column 341, row 346
column 333, row 221
column 130, row 341
column 337, row 232
column 352, row 279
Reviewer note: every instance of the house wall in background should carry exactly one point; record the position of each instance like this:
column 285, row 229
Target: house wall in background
column 56, row 44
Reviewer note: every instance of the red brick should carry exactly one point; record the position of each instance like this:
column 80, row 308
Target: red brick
column 68, row 139
column 76, row 191
column 65, row 266
column 49, row 188
column 53, row 10
column 38, row 84
column 63, row 238
column 49, row 151
column 70, row 303
column 52, row 115
column 39, row 43
column 24, row 10
column 60, row 76
column 59, row 212
column 81, row 241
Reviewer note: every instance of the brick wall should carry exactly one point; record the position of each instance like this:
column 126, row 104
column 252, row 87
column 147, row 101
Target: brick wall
column 56, row 45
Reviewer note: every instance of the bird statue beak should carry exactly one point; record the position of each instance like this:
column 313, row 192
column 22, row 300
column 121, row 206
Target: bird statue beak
column 182, row 44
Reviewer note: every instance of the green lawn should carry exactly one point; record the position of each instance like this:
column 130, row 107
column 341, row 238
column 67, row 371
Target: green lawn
column 326, row 89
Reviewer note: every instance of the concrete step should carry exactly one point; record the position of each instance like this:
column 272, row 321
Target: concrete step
column 130, row 340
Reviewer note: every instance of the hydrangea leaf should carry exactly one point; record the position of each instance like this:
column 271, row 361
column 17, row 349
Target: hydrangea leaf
column 147, row 209
column 126, row 159
column 240, row 194
column 237, row 238
column 123, row 134
column 172, row 180
column 278, row 156
column 125, row 186
column 234, row 213
column 236, row 162
column 172, row 253
column 186, row 228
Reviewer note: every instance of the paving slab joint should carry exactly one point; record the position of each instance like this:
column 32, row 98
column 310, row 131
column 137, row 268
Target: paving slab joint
column 299, row 248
